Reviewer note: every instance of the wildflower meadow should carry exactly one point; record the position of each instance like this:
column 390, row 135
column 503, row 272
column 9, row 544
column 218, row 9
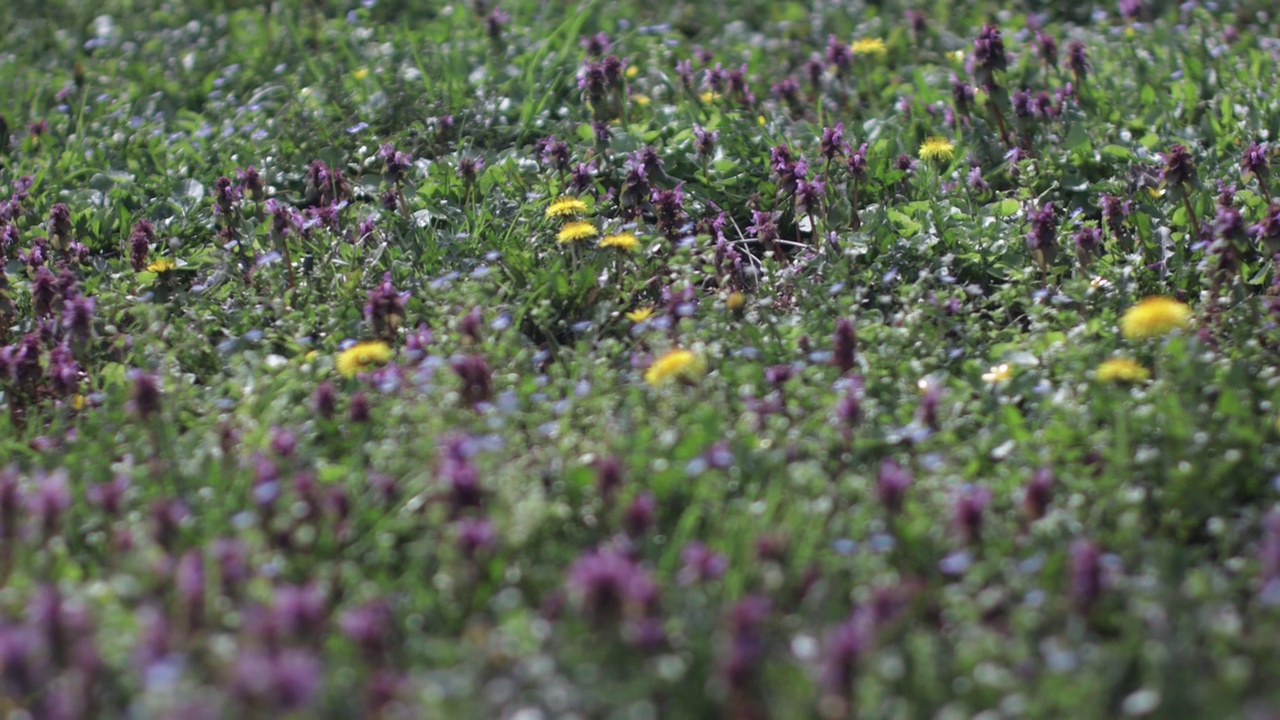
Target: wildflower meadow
column 745, row 359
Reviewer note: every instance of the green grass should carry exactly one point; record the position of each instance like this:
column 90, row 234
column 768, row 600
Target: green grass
column 443, row 535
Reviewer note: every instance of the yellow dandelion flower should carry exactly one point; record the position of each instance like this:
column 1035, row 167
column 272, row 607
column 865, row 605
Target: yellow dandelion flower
column 639, row 315
column 79, row 402
column 1122, row 370
column 760, row 120
column 360, row 74
column 1154, row 317
column 625, row 242
column 869, row 46
column 640, row 99
column 633, row 71
column 675, row 364
column 163, row 265
column 937, row 148
column 735, row 302
column 566, row 207
column 575, row 231
column 709, row 96
column 998, row 373
column 362, row 356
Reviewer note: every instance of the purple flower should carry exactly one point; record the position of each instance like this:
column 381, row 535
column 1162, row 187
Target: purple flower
column 250, row 182
column 1255, row 161
column 167, row 516
column 225, row 197
column 385, row 307
column 140, row 240
column 976, row 182
column 962, row 95
column 554, row 153
column 109, row 495
column 839, row 55
column 469, row 167
column 704, row 141
column 1038, row 493
column 494, row 22
column 842, row 648
column 1043, row 236
column 844, row 345
column 475, row 537
column 325, row 400
column 592, row 81
column 669, row 205
column 1022, row 109
column 849, row 407
column 1114, row 211
column 369, row 626
column 606, row 585
column 299, row 611
column 20, row 662
column 359, row 411
column 684, row 69
column 1229, row 224
column 60, row 223
column 51, row 500
column 608, row 476
column 1088, row 242
column 233, row 565
column 714, row 78
column 968, row 509
column 146, row 394
column 700, row 564
column 476, row 376
column 787, row 90
column 741, row 664
column 809, row 194
column 989, row 55
column 1078, row 59
column 295, row 680
column 44, row 292
column 1086, row 575
column 1178, row 167
column 613, row 68
column 1048, row 46
column 833, row 144
column 595, row 45
column 582, row 177
column 189, row 583
column 764, row 225
column 639, row 516
column 395, row 164
column 892, row 483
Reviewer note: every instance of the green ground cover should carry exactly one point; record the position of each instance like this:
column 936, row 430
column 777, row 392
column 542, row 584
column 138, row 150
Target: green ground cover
column 638, row 360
